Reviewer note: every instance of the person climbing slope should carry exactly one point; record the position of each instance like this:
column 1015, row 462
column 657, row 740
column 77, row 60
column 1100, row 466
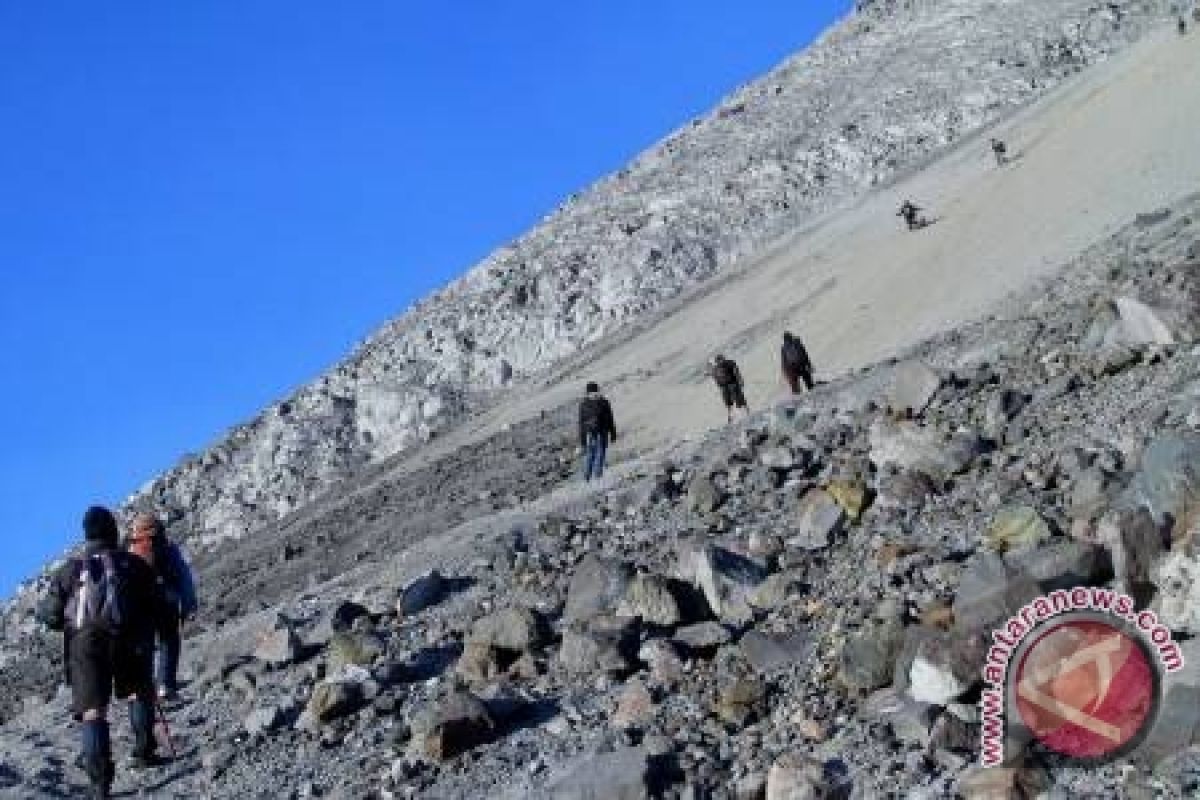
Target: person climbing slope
column 596, row 430
column 911, row 214
column 795, row 363
column 107, row 603
column 728, row 378
column 148, row 539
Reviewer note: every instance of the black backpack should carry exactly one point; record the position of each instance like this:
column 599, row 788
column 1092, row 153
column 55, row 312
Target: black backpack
column 723, row 373
column 98, row 600
column 794, row 354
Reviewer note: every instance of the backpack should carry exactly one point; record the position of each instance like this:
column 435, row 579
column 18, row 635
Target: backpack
column 794, row 354
column 723, row 373
column 99, row 598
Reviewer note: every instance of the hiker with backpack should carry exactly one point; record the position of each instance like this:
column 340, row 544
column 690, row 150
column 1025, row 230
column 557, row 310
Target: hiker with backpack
column 728, row 378
column 148, row 539
column 596, row 430
column 911, row 213
column 106, row 602
column 1000, row 151
column 795, row 363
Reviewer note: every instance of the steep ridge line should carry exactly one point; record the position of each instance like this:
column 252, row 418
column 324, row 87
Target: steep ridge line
column 865, row 102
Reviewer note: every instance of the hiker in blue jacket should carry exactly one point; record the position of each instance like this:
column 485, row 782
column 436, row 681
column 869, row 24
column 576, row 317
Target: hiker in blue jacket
column 148, row 539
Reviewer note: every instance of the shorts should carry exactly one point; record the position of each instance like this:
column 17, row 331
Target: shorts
column 104, row 666
column 731, row 394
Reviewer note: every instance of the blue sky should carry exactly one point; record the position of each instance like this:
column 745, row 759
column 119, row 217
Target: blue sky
column 203, row 205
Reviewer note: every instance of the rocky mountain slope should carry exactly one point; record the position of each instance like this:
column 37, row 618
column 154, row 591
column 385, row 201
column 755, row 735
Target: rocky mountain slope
column 696, row 616
column 878, row 94
column 793, row 606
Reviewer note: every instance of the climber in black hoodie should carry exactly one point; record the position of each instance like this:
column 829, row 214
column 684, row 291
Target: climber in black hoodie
column 107, row 603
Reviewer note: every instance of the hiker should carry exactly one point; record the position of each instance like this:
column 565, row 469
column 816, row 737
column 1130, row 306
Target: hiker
column 596, row 430
column 1000, row 151
column 106, row 602
column 729, row 379
column 796, row 365
column 911, row 215
column 148, row 539
column 1181, row 25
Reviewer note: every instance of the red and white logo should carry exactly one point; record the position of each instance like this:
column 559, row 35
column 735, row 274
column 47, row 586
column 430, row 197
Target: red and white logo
column 1086, row 688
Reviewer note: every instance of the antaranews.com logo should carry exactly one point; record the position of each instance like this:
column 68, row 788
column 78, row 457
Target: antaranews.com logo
column 1078, row 671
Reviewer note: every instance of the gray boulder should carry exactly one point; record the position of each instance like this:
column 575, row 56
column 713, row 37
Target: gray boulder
column 1150, row 321
column 601, row 645
column 780, row 458
column 728, row 580
column 1134, row 544
column 819, row 519
column 280, row 645
column 868, row 656
column 1168, row 482
column 795, row 776
column 597, row 586
column 914, row 383
column 421, row 593
column 910, row 721
column 990, row 591
column 653, row 599
column 911, row 446
column 262, row 721
column 703, row 495
column 514, row 628
column 452, row 726
column 766, row 652
column 1062, row 564
column 1001, row 408
column 354, row 648
column 943, row 667
column 1016, row 528
column 1090, row 493
column 335, row 698
column 702, row 636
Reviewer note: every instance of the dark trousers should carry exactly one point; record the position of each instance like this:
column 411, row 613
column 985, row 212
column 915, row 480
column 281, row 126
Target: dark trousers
column 794, row 375
column 166, row 655
column 594, row 451
column 102, row 667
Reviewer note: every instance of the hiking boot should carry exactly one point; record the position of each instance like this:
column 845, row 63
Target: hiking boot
column 97, row 762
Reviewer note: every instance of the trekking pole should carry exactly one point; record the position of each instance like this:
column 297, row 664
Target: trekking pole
column 162, row 718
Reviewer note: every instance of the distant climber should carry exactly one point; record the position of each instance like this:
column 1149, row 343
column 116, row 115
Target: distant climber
column 728, row 378
column 596, row 430
column 793, row 359
column 1000, row 151
column 106, row 603
column 1181, row 25
column 148, row 539
column 911, row 214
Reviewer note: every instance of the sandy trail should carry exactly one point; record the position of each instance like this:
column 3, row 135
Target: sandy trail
column 1122, row 138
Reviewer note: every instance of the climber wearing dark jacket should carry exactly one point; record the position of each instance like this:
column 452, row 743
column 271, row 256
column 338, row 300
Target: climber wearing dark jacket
column 596, row 430
column 107, row 604
column 793, row 359
column 728, row 377
column 148, row 539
